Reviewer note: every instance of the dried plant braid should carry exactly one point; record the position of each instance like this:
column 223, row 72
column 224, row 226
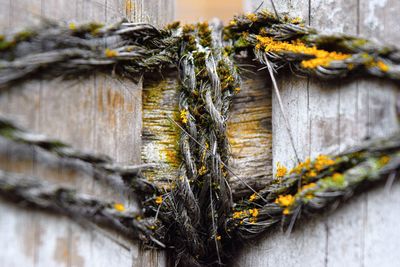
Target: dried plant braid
column 313, row 186
column 32, row 192
column 120, row 176
column 128, row 49
column 288, row 42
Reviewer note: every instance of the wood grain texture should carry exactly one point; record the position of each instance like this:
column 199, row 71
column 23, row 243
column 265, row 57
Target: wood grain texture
column 327, row 118
column 99, row 113
column 249, row 131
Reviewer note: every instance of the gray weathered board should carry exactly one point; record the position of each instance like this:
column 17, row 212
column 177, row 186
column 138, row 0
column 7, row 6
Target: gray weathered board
column 326, row 119
column 103, row 114
column 98, row 113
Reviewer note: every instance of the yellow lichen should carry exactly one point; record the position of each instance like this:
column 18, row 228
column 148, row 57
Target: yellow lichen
column 322, row 57
column 280, row 170
column 218, row 237
column 323, row 161
column 253, row 220
column 202, row 170
column 285, row 200
column 253, row 197
column 239, row 214
column 338, row 177
column 286, row 211
column 253, row 212
column 382, row 66
column 184, row 114
column 384, row 160
column 308, row 186
column 302, row 165
column 312, row 174
column 252, row 17
column 159, row 200
column 110, row 53
column 72, row 26
column 119, row 207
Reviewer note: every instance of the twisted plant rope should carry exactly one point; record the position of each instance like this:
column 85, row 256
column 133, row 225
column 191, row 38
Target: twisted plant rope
column 287, row 41
column 196, row 217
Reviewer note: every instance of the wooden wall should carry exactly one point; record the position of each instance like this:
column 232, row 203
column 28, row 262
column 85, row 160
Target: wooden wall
column 98, row 113
column 327, row 118
column 103, row 114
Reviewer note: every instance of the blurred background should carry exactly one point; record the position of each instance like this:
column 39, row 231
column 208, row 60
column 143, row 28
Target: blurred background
column 200, row 10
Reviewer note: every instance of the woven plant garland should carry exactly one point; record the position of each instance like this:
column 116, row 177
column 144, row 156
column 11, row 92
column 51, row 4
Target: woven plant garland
column 196, row 218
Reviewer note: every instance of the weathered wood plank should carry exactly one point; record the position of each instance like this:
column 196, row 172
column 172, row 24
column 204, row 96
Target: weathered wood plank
column 98, row 113
column 327, row 118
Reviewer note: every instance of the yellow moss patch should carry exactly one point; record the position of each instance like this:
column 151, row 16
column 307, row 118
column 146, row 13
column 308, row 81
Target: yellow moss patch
column 119, row 207
column 72, row 26
column 308, row 186
column 110, row 53
column 323, row 161
column 184, row 114
column 253, row 212
column 159, row 200
column 338, row 178
column 322, row 57
column 302, row 165
column 285, row 200
column 384, row 160
column 253, row 197
column 280, row 170
column 202, row 170
column 252, row 17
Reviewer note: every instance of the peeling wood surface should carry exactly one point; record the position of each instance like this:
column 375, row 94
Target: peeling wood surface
column 98, row 113
column 327, row 118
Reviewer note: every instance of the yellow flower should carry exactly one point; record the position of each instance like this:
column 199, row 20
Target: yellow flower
column 119, row 207
column 110, row 53
column 280, row 170
column 285, row 200
column 159, row 200
column 184, row 114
